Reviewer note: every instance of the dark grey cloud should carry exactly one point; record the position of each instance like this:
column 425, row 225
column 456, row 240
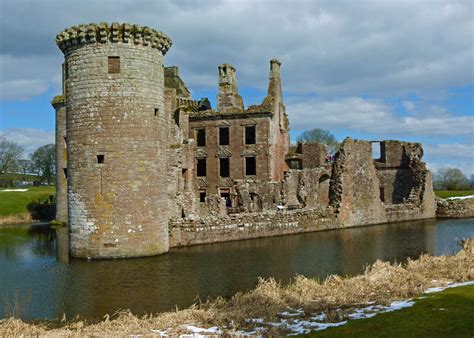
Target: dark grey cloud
column 328, row 47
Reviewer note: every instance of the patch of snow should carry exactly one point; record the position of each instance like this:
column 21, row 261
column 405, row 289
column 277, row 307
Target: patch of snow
column 459, row 197
column 452, row 285
column 254, row 320
column 400, row 304
column 14, row 190
column 195, row 329
column 296, row 313
column 161, row 333
column 320, row 317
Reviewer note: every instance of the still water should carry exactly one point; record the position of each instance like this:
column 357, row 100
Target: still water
column 49, row 286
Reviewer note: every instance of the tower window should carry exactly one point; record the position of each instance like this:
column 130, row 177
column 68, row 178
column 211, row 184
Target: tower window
column 100, row 159
column 250, row 135
column 201, row 137
column 224, row 168
column 224, row 136
column 201, row 167
column 157, row 111
column 65, row 173
column 114, row 64
column 250, row 166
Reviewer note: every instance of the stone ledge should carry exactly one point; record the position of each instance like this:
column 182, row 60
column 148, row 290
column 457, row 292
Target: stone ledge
column 113, row 33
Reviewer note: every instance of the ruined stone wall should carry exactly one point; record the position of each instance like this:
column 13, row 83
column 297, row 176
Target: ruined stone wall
column 59, row 104
column 313, row 155
column 184, row 232
column 455, row 208
column 117, row 140
column 354, row 189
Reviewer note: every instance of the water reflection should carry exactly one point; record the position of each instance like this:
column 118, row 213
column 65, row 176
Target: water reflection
column 93, row 288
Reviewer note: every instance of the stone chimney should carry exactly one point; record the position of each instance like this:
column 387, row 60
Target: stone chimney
column 228, row 99
column 274, row 84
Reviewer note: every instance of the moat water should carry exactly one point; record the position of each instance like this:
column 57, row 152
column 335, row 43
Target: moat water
column 34, row 270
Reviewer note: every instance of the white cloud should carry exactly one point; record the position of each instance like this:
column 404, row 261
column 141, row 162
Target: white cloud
column 372, row 116
column 29, row 138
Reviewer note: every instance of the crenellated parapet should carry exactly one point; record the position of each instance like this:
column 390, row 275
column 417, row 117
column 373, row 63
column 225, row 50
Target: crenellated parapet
column 112, row 33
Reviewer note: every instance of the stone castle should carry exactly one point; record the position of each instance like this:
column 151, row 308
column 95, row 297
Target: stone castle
column 142, row 167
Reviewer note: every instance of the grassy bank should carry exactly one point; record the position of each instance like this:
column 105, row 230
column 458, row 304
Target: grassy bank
column 14, row 203
column 446, row 314
column 336, row 297
column 448, row 193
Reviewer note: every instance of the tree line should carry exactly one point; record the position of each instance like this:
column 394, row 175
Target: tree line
column 42, row 162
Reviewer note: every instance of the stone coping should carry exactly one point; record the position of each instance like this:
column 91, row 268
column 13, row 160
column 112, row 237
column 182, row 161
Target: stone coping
column 58, row 100
column 112, row 33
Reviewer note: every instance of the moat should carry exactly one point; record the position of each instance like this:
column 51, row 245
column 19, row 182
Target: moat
column 50, row 285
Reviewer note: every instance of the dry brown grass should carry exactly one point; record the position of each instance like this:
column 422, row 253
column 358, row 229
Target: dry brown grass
column 381, row 283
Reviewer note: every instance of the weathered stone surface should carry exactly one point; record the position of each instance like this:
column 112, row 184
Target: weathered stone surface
column 455, row 208
column 59, row 104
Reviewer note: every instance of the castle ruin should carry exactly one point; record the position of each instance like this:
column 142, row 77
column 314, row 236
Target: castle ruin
column 142, row 167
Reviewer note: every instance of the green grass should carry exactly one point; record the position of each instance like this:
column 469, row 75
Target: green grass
column 447, row 193
column 445, row 314
column 13, row 203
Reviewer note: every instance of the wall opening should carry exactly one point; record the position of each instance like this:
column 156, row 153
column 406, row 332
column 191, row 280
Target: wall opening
column 225, row 193
column 202, row 195
column 250, row 166
column 382, row 194
column 100, row 159
column 201, row 137
column 114, row 64
column 65, row 173
column 295, row 164
column 250, row 135
column 224, row 136
column 184, row 178
column 201, row 167
column 157, row 111
column 224, row 167
column 376, row 153
column 323, row 178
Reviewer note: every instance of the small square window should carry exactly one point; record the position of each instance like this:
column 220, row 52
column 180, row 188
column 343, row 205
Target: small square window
column 114, row 64
column 100, row 159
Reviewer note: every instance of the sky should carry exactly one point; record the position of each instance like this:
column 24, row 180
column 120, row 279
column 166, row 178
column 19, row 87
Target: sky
column 369, row 70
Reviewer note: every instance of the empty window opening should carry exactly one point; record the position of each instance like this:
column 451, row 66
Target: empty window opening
column 114, row 64
column 224, row 136
column 376, row 151
column 224, row 167
column 225, row 193
column 201, row 167
column 184, row 177
column 323, row 178
column 295, row 164
column 100, row 159
column 382, row 194
column 201, row 137
column 157, row 111
column 250, row 136
column 202, row 195
column 250, row 166
column 65, row 173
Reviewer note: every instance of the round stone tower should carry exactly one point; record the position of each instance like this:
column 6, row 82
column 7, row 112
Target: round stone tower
column 116, row 139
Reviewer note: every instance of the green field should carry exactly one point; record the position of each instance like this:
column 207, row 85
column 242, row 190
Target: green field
column 448, row 193
column 12, row 203
column 445, row 314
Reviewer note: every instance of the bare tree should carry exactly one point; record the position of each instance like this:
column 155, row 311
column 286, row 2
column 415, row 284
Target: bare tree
column 10, row 153
column 320, row 136
column 44, row 162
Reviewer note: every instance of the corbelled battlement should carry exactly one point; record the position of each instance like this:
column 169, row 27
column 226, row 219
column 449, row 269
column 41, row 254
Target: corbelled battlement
column 58, row 100
column 115, row 32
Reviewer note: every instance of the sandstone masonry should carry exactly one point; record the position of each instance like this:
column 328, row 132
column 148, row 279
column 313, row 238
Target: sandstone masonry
column 147, row 168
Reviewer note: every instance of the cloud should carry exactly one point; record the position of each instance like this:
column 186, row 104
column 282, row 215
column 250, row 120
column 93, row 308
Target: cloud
column 329, row 47
column 372, row 116
column 29, row 138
